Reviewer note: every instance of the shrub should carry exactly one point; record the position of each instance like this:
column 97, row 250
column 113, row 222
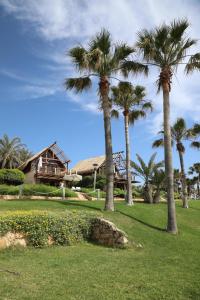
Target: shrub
column 11, row 176
column 37, row 227
column 35, row 190
column 88, row 182
column 45, row 190
column 119, row 192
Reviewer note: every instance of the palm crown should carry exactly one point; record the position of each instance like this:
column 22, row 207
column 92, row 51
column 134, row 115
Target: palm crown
column 146, row 171
column 10, row 150
column 179, row 133
column 166, row 47
column 101, row 58
column 130, row 100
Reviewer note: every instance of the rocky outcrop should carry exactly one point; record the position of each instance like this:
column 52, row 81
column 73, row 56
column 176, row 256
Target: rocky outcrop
column 12, row 239
column 106, row 233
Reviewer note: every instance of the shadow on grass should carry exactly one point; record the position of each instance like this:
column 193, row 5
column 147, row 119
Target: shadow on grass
column 142, row 222
column 69, row 203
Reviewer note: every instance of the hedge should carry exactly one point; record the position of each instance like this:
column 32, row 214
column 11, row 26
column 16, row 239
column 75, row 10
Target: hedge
column 38, row 227
column 35, row 190
column 11, row 176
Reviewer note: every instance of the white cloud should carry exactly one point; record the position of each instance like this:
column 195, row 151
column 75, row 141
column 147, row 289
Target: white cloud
column 75, row 21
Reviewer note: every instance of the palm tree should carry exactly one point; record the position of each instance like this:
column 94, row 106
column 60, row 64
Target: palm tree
column 129, row 100
column 10, row 152
column 179, row 133
column 24, row 155
column 195, row 169
column 102, row 60
column 146, row 172
column 166, row 47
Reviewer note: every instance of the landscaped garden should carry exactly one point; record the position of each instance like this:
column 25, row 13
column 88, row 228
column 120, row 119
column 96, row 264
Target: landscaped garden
column 155, row 265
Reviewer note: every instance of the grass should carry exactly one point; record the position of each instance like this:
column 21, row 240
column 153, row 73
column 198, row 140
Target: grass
column 167, row 267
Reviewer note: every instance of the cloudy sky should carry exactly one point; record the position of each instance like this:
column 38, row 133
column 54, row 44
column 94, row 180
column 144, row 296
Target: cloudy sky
column 35, row 37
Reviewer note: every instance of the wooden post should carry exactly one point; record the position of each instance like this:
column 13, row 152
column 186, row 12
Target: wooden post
column 63, row 193
column 20, row 190
column 98, row 194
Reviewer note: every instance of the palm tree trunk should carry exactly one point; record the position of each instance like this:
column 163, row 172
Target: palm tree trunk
column 171, row 224
column 104, row 90
column 148, row 197
column 129, row 197
column 183, row 181
column 156, row 197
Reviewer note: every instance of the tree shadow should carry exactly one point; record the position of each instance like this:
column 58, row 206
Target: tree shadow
column 142, row 222
column 68, row 203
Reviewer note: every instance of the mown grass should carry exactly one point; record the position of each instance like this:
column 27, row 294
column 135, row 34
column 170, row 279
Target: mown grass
column 166, row 267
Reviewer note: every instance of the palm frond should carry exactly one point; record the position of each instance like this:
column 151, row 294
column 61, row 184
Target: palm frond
column 134, row 68
column 122, row 51
column 114, row 114
column 78, row 84
column 101, row 41
column 195, row 145
column 177, row 29
column 158, row 143
column 147, row 106
column 78, row 55
column 135, row 115
column 193, row 63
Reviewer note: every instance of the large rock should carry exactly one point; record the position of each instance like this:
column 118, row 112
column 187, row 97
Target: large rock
column 106, row 233
column 12, row 239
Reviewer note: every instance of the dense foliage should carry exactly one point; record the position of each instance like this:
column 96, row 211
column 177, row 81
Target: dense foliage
column 12, row 152
column 11, row 176
column 39, row 226
column 35, row 190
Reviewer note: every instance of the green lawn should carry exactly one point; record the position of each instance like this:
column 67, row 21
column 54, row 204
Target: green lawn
column 167, row 267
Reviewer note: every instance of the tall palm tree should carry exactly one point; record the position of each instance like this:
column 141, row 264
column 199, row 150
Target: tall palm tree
column 146, row 172
column 129, row 100
column 10, row 152
column 166, row 47
column 179, row 133
column 195, row 169
column 102, row 60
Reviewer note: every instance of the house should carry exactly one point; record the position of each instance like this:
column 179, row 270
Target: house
column 88, row 166
column 47, row 166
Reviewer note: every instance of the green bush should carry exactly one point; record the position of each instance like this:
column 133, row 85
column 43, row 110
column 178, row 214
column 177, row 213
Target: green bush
column 37, row 227
column 88, row 182
column 11, row 176
column 35, row 190
column 45, row 190
column 119, row 192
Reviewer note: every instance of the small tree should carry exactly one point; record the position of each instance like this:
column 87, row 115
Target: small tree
column 158, row 182
column 130, row 101
column 146, row 172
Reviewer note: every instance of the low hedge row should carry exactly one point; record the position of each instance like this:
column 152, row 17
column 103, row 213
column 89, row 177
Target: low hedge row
column 38, row 227
column 35, row 190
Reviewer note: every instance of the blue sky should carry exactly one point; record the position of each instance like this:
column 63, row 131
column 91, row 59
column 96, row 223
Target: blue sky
column 35, row 36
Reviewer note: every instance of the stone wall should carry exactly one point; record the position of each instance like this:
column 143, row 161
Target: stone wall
column 106, row 233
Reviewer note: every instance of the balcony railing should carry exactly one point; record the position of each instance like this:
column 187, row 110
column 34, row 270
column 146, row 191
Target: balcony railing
column 51, row 171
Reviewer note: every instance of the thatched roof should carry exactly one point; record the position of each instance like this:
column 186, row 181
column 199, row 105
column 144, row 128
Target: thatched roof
column 87, row 165
column 54, row 148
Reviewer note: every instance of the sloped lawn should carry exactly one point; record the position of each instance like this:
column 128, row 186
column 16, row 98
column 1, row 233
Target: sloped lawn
column 166, row 267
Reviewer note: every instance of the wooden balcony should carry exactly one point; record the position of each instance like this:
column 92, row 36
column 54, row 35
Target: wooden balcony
column 49, row 171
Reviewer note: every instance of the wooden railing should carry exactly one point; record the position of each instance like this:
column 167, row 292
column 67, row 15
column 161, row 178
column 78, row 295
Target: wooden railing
column 51, row 171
